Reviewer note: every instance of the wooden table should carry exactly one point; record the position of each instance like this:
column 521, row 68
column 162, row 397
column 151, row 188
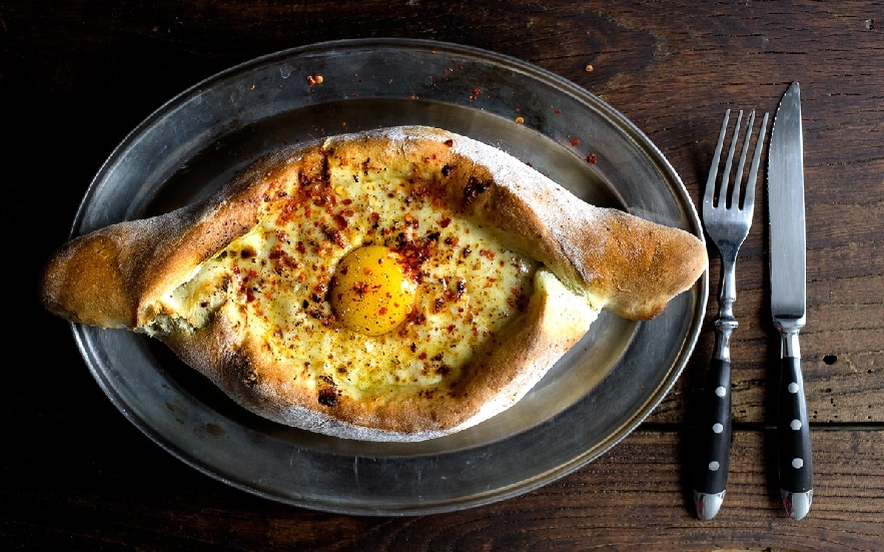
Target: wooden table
column 77, row 76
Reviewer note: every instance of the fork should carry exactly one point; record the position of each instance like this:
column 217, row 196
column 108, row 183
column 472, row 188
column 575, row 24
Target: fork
column 727, row 217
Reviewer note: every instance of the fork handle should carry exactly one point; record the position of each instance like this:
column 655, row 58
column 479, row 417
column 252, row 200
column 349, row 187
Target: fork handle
column 713, row 435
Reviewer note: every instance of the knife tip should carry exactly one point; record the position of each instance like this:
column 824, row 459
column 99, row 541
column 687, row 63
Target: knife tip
column 797, row 504
column 707, row 505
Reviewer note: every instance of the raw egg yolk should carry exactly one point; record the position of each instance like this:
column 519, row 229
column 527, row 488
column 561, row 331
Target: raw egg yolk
column 371, row 293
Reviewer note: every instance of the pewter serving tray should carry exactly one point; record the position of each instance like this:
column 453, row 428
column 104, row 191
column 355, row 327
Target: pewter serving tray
column 588, row 402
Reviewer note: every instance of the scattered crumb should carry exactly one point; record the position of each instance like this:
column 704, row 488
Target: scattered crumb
column 520, row 120
column 589, row 68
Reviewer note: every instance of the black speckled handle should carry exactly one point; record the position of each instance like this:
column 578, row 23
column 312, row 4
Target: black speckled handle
column 714, row 431
column 795, row 460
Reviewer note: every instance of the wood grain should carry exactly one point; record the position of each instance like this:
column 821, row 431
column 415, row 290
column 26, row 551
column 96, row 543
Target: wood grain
column 635, row 496
column 77, row 76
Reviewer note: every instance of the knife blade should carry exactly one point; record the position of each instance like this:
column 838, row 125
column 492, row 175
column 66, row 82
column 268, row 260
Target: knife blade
column 788, row 300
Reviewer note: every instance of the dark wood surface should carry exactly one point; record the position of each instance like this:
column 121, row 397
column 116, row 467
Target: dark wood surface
column 77, row 76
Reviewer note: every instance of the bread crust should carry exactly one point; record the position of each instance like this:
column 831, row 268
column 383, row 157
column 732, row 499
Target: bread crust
column 114, row 276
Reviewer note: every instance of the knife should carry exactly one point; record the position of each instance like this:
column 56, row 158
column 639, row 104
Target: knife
column 785, row 179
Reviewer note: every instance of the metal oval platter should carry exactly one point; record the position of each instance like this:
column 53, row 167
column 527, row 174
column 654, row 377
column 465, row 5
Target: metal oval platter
column 588, row 402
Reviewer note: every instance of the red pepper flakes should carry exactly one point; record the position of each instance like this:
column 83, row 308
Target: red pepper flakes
column 454, row 294
column 340, row 221
column 361, row 288
column 518, row 300
column 575, row 142
column 592, row 159
column 334, row 236
column 411, row 222
column 413, row 254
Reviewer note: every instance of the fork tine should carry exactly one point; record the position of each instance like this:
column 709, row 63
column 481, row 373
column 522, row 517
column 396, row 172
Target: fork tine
column 738, row 176
column 749, row 200
column 709, row 195
column 726, row 174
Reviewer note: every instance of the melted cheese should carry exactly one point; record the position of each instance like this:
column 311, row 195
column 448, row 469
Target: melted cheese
column 462, row 285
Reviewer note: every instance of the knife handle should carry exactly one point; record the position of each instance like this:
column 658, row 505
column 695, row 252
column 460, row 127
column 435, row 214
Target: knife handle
column 714, row 434
column 795, row 459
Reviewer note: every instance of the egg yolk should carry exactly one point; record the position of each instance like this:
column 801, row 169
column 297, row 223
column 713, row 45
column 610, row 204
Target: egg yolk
column 371, row 292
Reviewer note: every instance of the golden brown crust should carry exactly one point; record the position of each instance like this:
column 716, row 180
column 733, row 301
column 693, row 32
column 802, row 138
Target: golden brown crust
column 112, row 278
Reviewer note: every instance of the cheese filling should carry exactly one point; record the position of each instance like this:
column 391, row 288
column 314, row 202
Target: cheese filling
column 363, row 279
